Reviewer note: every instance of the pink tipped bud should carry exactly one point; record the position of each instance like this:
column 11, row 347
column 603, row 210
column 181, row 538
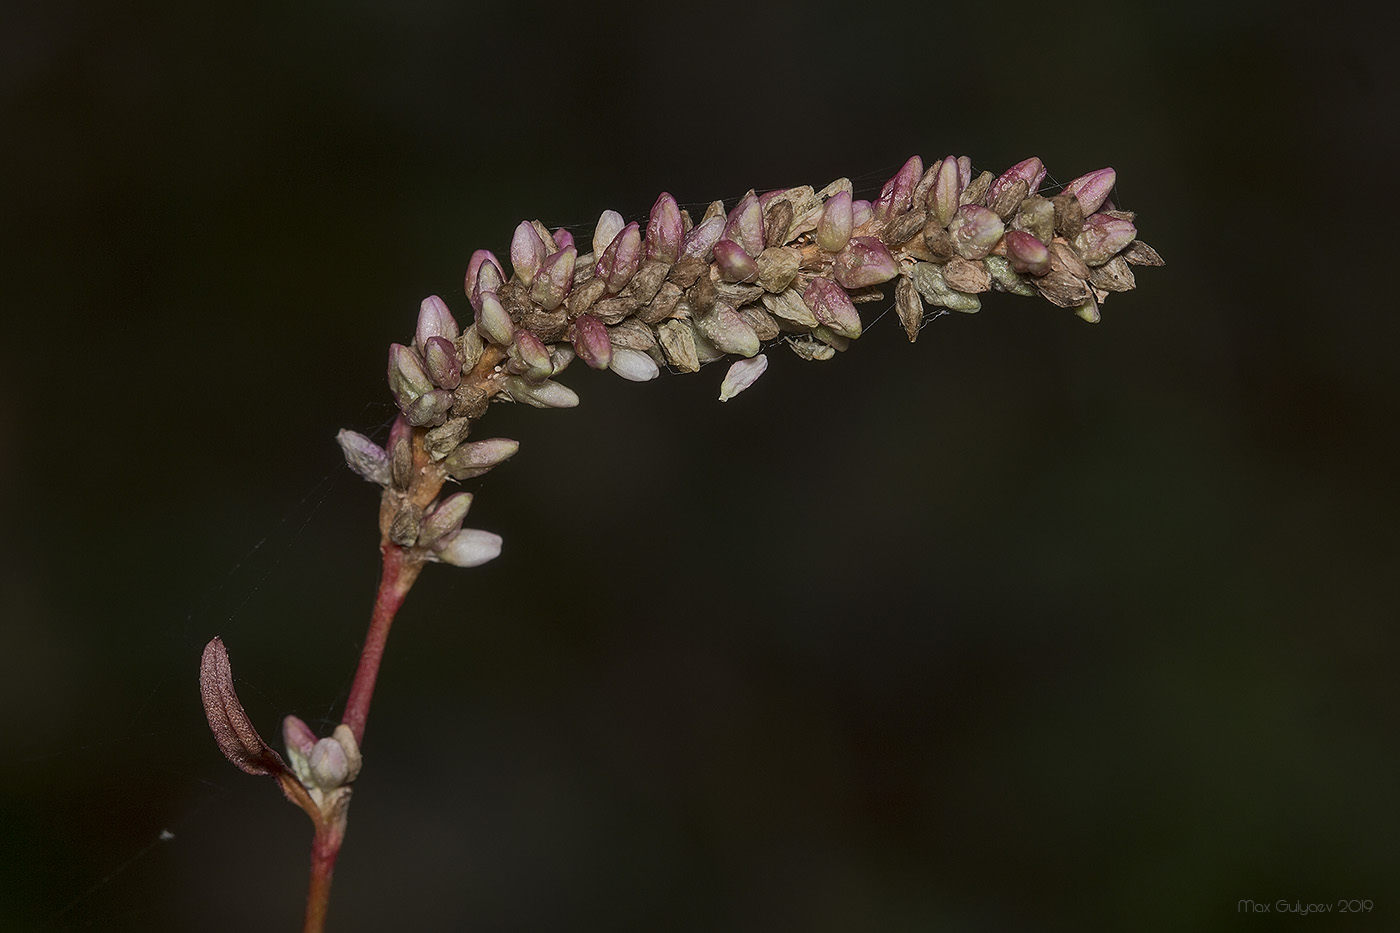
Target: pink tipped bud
column 728, row 331
column 434, row 320
column 474, row 458
column 480, row 258
column 299, row 740
column 494, row 321
column 1101, row 238
column 470, row 547
column 1027, row 254
column 430, row 408
column 590, row 340
column 527, row 251
column 1092, row 189
column 700, row 242
column 555, row 276
column 408, row 377
column 1031, row 171
column 975, row 230
column 947, row 188
column 532, row 356
column 633, row 365
column 665, row 231
column 445, row 519
column 832, row 307
column 865, row 261
column 964, row 172
column 610, row 224
column 834, row 228
column 563, row 239
column 440, row 354
column 620, row 260
column 735, row 264
column 741, row 375
column 745, row 224
column 898, row 193
column 364, row 456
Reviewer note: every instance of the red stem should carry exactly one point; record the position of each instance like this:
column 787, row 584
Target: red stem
column 324, row 848
column 394, row 584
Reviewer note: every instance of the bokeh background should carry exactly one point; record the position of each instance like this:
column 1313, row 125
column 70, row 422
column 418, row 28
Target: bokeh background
column 1032, row 625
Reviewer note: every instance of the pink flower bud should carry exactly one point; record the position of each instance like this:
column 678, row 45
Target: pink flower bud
column 494, row 321
column 475, row 458
column 470, row 547
column 445, row 519
column 1026, row 254
column 563, row 239
column 947, row 188
column 1101, row 238
column 861, row 213
column 832, row 307
column 440, row 355
column 1031, row 171
column 700, row 242
column 741, row 375
column 482, row 257
column 865, row 261
column 364, row 457
column 610, row 224
column 590, row 340
column 554, row 278
column 834, row 228
column 975, row 230
column 745, row 225
column 735, row 264
column 1092, row 189
column 527, row 251
column 620, row 260
column 664, row 231
column 728, row 331
column 532, row 355
column 408, row 378
column 434, row 320
column 898, row 193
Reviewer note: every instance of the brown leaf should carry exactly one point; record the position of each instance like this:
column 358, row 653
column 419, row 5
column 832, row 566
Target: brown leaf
column 232, row 728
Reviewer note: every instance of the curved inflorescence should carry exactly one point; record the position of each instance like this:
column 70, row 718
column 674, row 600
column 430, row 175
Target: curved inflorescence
column 787, row 265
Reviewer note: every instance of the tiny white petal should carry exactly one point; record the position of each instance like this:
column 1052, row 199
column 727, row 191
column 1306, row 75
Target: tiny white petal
column 741, row 375
column 470, row 547
column 633, row 364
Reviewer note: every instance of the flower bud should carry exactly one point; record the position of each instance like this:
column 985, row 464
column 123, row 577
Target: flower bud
column 728, row 331
column 434, row 320
column 1026, row 253
column 554, row 278
column 620, row 260
column 328, row 765
column 429, row 408
column 408, row 378
column 475, row 458
column 299, row 740
column 440, row 355
column 700, row 242
column 832, row 307
column 563, row 239
column 1092, row 189
column 494, row 321
column 1101, row 237
column 532, row 356
column 470, row 547
column 365, row 457
column 741, row 375
column 834, row 228
column 1031, row 171
column 590, row 340
column 445, row 519
column 865, row 261
column 898, row 193
column 664, row 231
column 734, row 262
column 745, row 225
column 975, row 230
column 610, row 224
column 527, row 252
column 633, row 365
column 861, row 213
column 495, row 275
column 547, row 394
column 947, row 187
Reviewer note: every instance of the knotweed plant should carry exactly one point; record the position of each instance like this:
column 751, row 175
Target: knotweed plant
column 787, row 267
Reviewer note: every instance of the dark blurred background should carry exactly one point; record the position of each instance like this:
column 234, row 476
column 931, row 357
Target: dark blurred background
column 1032, row 625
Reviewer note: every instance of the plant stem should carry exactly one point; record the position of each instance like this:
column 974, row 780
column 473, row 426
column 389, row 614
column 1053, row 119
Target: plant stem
column 394, row 583
column 325, row 846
